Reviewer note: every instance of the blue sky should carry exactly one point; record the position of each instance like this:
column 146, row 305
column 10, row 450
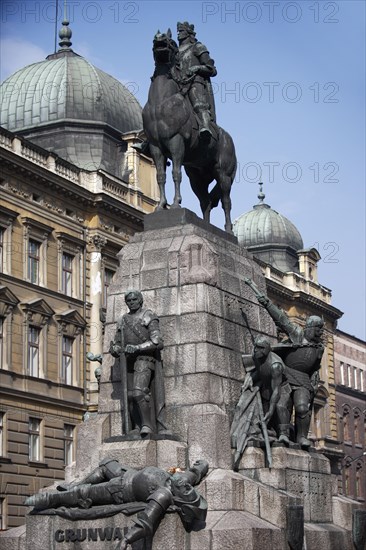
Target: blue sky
column 290, row 90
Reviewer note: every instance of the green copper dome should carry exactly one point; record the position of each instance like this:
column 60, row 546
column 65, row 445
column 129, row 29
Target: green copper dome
column 67, row 87
column 68, row 106
column 270, row 236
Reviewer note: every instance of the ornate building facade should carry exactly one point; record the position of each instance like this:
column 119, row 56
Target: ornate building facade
column 72, row 192
column 350, row 379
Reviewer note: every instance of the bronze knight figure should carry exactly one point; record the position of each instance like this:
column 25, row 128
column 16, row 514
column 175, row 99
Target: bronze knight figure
column 138, row 343
column 301, row 352
column 113, row 488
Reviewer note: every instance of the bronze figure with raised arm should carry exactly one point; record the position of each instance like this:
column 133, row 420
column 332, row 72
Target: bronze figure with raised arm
column 302, row 353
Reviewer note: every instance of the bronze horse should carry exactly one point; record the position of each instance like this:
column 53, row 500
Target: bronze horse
column 172, row 131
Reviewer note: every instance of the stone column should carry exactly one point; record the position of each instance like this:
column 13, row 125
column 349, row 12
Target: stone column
column 95, row 245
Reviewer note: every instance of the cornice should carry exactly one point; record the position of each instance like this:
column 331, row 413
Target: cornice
column 40, row 290
column 43, row 397
column 346, row 390
column 20, row 166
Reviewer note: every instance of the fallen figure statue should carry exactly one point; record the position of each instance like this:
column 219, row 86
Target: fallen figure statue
column 113, row 488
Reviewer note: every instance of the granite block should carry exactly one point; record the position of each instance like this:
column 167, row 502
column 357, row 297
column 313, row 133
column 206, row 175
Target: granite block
column 237, row 529
column 342, row 508
column 320, row 498
column 193, row 389
column 273, row 504
column 252, row 458
column 136, row 454
column 326, row 537
column 13, row 539
column 208, row 436
column 223, row 490
column 294, row 459
column 274, row 478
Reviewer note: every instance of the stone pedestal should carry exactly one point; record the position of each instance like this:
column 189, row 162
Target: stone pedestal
column 192, row 275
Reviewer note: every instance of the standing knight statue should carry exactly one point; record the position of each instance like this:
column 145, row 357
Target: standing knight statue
column 138, row 343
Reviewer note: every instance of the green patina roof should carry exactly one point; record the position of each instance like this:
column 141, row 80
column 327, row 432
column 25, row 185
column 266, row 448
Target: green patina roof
column 262, row 225
column 66, row 87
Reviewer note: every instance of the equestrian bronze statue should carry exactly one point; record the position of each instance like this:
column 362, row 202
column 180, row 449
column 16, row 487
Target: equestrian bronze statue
column 179, row 123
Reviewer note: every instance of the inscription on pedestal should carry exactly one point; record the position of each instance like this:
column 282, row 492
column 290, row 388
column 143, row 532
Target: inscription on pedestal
column 90, row 535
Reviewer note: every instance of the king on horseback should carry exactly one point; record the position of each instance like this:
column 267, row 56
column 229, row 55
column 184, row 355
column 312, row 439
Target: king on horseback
column 193, row 69
column 179, row 123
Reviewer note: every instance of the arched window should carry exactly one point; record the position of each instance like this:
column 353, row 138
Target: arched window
column 320, row 421
column 346, row 424
column 347, row 477
column 357, row 425
column 359, row 480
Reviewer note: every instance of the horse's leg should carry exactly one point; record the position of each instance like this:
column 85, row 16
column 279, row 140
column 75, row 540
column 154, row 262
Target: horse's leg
column 160, row 164
column 199, row 184
column 225, row 184
column 176, row 146
column 224, row 174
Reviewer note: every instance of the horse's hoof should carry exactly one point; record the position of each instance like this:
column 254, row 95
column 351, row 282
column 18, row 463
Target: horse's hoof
column 175, row 205
column 161, row 207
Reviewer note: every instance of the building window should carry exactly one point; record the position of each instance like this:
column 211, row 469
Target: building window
column 67, row 360
column 33, row 261
column 69, row 431
column 35, row 249
column 342, row 373
column 357, row 426
column 361, row 380
column 70, row 264
column 1, row 341
column 108, row 279
column 349, row 376
column 2, row 434
column 2, row 514
column 8, row 301
column 34, row 430
column 346, row 430
column 71, row 326
column 33, row 351
column 347, row 485
column 67, row 264
column 2, row 232
column 355, row 377
column 7, row 218
column 359, row 484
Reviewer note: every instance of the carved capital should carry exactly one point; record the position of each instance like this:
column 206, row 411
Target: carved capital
column 96, row 242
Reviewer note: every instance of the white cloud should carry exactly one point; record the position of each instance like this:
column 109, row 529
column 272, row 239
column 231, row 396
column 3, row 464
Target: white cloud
column 16, row 53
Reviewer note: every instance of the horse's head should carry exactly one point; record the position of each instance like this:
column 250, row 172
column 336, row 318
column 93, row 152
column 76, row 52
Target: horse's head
column 164, row 48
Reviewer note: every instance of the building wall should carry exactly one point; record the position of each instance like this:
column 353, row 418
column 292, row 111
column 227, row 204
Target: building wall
column 350, row 378
column 79, row 221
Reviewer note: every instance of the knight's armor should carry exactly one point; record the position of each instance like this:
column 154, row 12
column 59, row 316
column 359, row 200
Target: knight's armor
column 112, row 485
column 141, row 329
column 302, row 359
column 195, row 54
